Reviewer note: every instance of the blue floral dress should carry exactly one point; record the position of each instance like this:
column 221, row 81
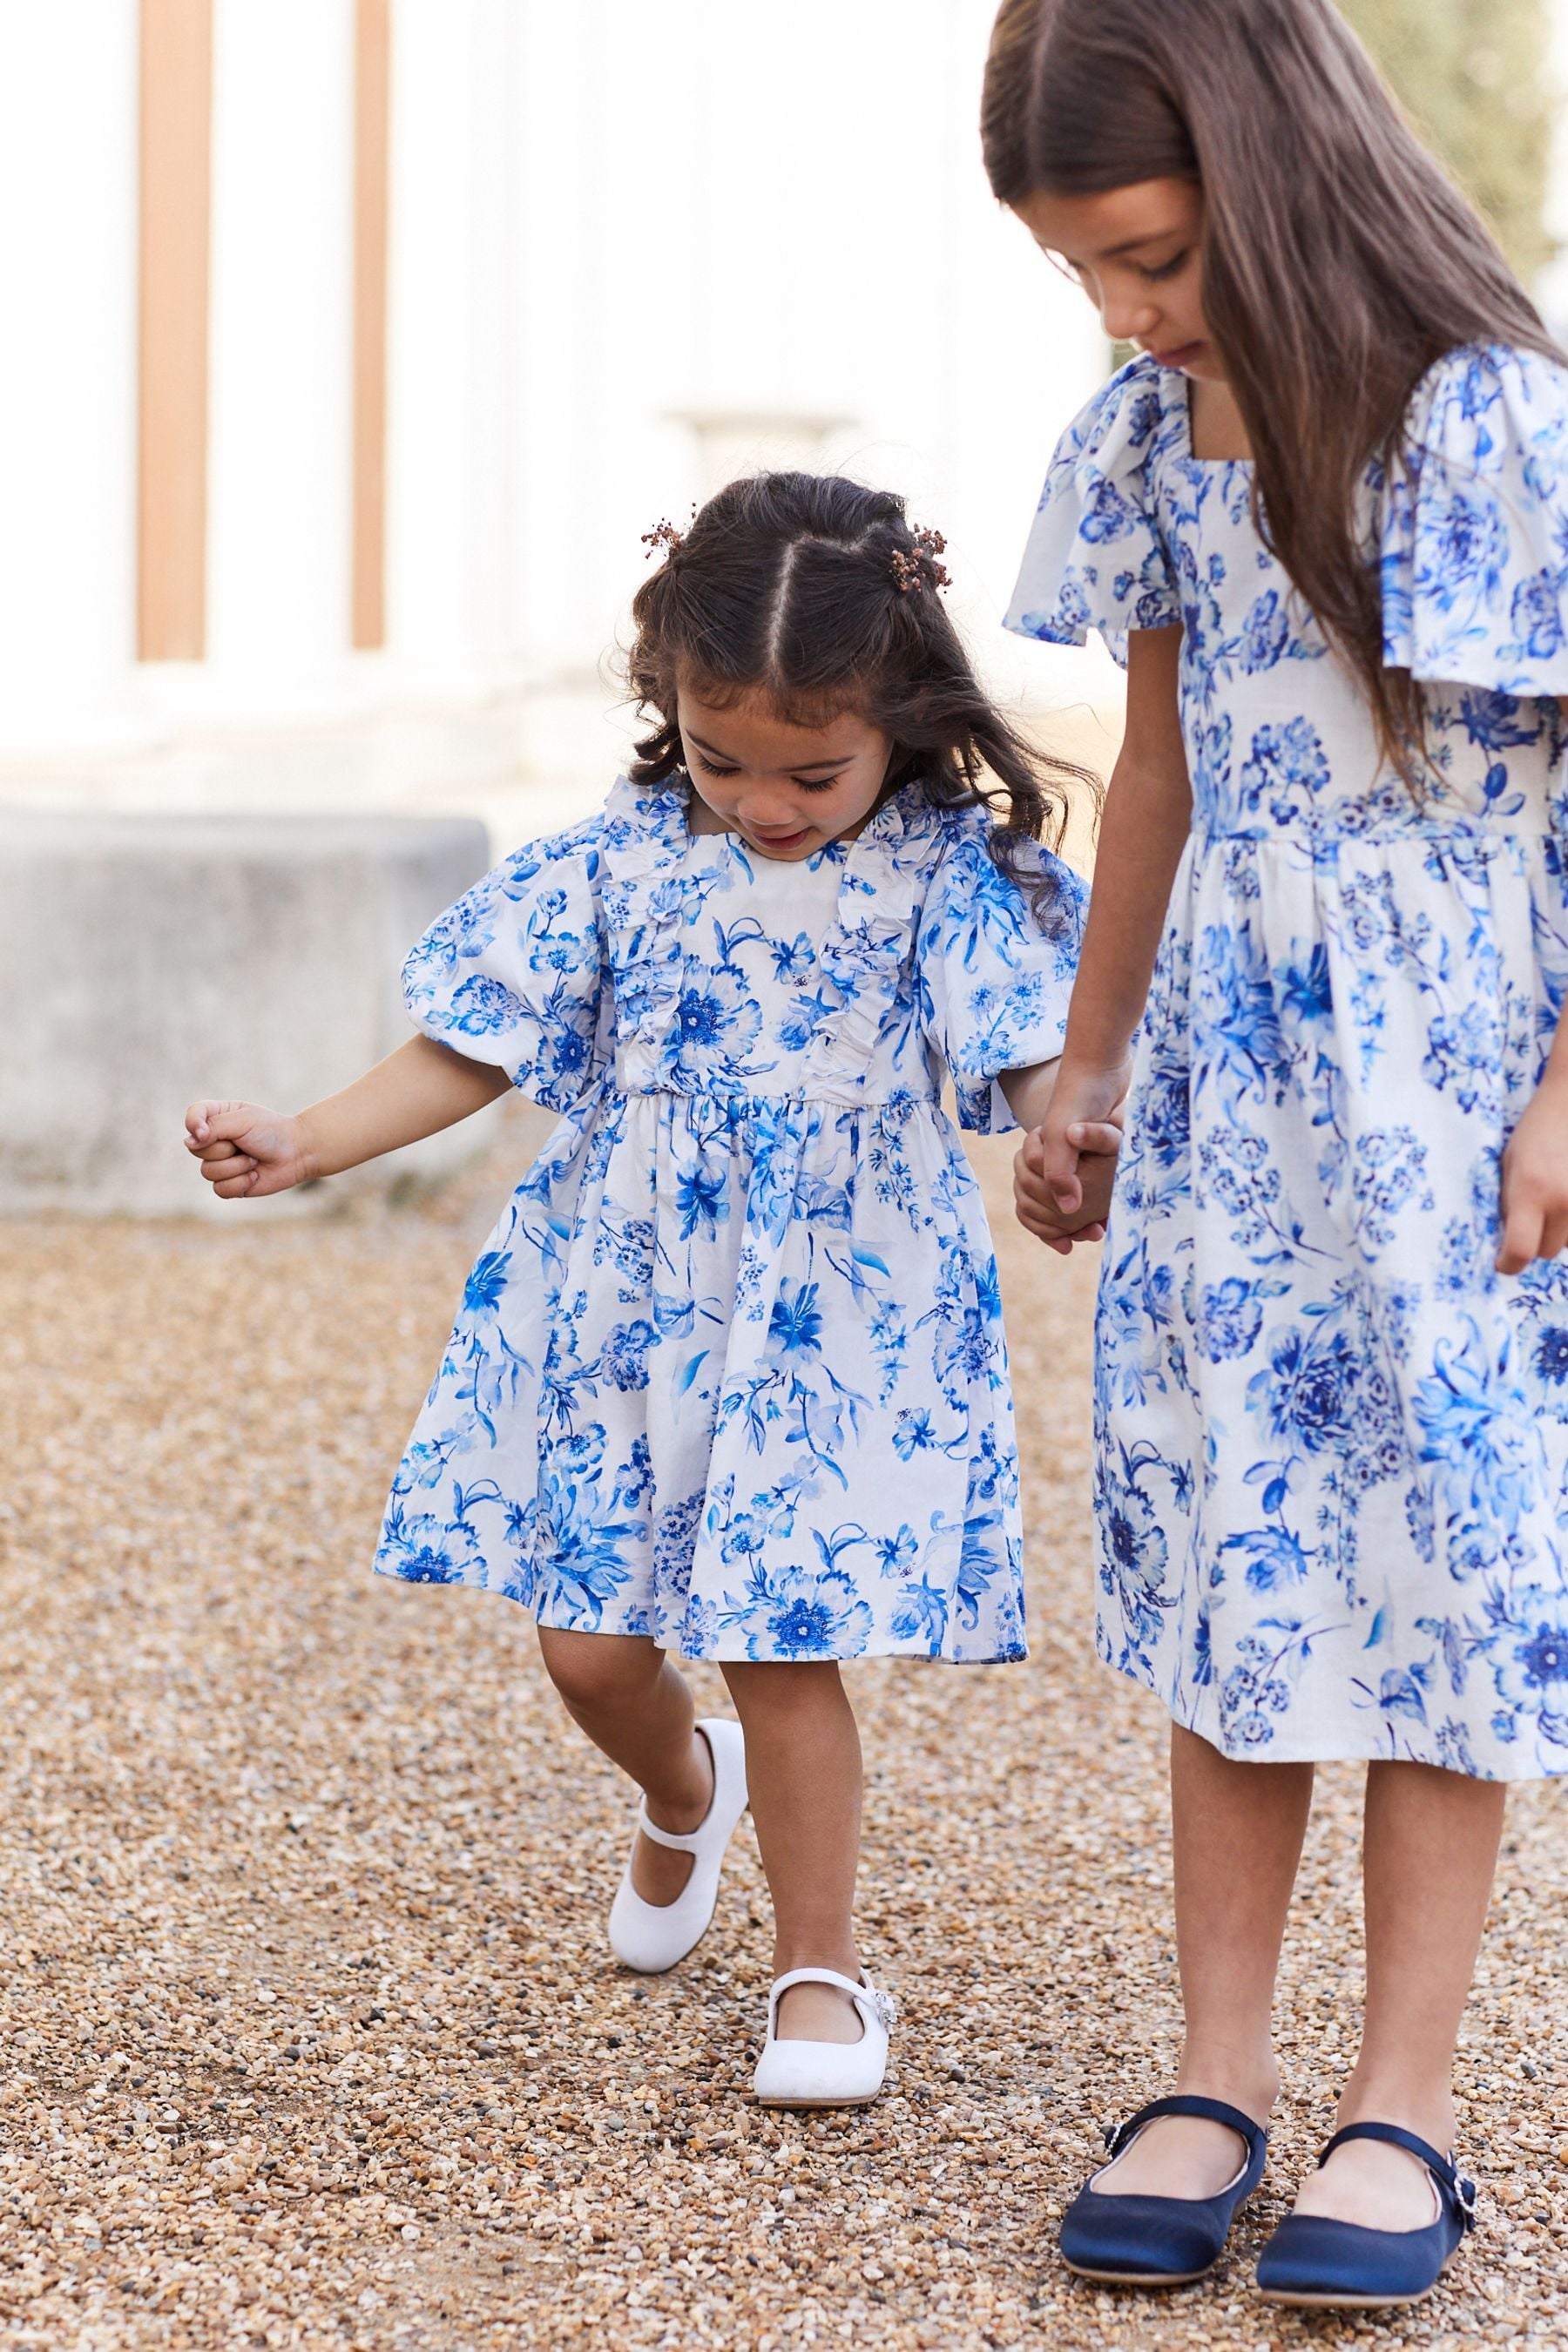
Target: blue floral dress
column 1332, row 1443
column 730, row 1371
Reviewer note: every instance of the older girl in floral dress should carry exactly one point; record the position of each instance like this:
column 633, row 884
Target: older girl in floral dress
column 1329, row 504
column 730, row 1379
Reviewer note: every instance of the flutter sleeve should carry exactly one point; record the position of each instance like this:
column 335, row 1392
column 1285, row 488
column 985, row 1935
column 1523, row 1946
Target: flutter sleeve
column 1473, row 525
column 995, row 971
column 514, row 973
column 1095, row 558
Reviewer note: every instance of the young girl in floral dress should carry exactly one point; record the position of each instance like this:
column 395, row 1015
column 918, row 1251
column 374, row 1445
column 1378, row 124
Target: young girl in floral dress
column 1329, row 502
column 728, row 1379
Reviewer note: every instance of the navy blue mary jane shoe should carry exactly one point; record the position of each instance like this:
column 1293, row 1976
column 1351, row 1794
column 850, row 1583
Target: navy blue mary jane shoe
column 1313, row 2261
column 1159, row 2241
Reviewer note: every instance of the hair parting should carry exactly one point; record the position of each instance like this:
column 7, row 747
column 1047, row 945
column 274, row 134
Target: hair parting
column 1339, row 263
column 793, row 586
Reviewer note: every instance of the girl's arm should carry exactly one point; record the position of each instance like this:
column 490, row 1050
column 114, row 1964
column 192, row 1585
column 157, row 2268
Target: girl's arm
column 247, row 1152
column 1148, row 814
column 1535, row 1171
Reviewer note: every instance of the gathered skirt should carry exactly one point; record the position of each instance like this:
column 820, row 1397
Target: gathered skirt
column 1332, row 1484
column 731, row 1373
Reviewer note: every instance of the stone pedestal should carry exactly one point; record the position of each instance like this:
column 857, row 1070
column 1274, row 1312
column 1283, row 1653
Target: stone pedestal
column 147, row 959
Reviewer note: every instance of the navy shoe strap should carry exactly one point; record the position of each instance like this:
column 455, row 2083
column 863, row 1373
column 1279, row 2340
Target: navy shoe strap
column 1185, row 2103
column 1458, row 2193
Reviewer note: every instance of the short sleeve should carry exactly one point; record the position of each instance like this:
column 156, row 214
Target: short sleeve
column 995, row 972
column 1473, row 527
column 1095, row 557
column 514, row 973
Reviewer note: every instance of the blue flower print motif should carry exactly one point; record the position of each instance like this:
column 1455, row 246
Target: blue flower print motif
column 1462, row 550
column 1134, row 1553
column 1484, row 1444
column 1106, row 514
column 1309, row 1397
column 483, row 1007
column 1266, row 638
column 802, row 1613
column 427, row 1550
column 1230, row 1317
column 1529, row 1660
column 486, row 1285
column 624, row 1357
column 703, row 1200
column 1537, row 615
column 795, row 1327
column 716, row 1017
column 1287, row 770
column 1549, row 1362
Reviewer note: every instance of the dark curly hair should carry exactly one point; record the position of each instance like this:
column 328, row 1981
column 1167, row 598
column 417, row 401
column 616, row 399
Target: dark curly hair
column 799, row 587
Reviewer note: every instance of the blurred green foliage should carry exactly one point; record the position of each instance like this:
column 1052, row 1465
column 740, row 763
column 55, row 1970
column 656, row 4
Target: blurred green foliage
column 1474, row 76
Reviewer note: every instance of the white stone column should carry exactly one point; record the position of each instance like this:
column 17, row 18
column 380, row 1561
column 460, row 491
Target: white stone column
column 279, row 482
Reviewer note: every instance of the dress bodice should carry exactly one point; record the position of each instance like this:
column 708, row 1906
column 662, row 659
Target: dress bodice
column 634, row 954
column 1135, row 531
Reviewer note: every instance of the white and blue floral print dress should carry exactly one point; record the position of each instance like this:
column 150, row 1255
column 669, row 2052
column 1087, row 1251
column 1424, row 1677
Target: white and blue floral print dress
column 1332, row 1443
column 730, row 1371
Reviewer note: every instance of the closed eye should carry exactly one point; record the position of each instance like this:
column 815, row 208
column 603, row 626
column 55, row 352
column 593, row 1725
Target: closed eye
column 1165, row 270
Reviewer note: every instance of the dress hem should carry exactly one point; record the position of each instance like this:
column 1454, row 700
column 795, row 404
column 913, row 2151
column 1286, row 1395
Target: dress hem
column 1286, row 1752
column 722, row 1655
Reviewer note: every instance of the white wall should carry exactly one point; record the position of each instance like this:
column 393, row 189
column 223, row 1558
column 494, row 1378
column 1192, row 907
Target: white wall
column 68, row 298
column 601, row 215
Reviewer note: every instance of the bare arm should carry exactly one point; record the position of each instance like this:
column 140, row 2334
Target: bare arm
column 247, row 1153
column 1148, row 815
column 1535, row 1171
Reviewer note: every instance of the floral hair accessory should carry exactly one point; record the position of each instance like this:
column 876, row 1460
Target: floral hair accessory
column 912, row 570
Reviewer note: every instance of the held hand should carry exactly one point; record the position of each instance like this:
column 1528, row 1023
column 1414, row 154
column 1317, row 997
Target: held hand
column 246, row 1152
column 1063, row 1175
column 1535, row 1183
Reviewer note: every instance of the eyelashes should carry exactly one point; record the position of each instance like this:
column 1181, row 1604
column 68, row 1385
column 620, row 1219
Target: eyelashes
column 801, row 783
column 1166, row 270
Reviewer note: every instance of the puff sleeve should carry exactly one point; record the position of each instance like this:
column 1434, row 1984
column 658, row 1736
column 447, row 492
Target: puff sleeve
column 1095, row 556
column 1473, row 525
column 996, row 973
column 514, row 973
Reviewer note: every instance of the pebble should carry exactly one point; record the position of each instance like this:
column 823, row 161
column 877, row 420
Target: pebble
column 311, row 2037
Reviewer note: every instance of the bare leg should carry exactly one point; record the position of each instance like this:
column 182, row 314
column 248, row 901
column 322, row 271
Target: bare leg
column 1237, row 1836
column 634, row 1705
column 802, row 1768
column 1429, row 1853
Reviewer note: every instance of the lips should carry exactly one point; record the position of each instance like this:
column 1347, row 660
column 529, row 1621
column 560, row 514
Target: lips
column 782, row 840
column 1182, row 357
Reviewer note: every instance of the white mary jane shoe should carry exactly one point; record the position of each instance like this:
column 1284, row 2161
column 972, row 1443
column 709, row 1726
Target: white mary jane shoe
column 826, row 2074
column 651, row 1936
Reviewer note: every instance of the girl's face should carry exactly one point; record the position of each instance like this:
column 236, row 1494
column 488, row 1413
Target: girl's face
column 788, row 790
column 1136, row 252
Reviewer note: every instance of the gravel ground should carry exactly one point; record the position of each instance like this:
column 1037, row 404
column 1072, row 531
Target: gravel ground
column 310, row 2034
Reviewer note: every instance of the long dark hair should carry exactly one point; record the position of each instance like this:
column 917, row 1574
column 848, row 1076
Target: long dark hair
column 790, row 586
column 1339, row 262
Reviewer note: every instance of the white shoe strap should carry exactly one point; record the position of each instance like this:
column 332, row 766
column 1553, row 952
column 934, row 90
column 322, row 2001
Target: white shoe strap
column 690, row 1844
column 862, row 1995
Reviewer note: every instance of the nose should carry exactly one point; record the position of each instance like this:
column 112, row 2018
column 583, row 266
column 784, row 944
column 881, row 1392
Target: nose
column 768, row 812
column 1128, row 317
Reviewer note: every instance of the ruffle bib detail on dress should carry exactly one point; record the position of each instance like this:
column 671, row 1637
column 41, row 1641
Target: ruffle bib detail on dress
column 862, row 960
column 653, row 887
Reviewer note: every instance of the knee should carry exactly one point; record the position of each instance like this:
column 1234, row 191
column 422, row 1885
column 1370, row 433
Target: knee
column 596, row 1671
